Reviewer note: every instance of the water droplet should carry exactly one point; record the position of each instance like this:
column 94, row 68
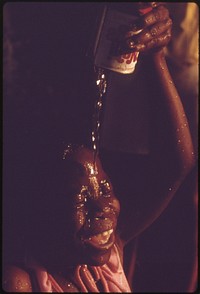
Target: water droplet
column 183, row 150
column 179, row 141
column 106, row 209
column 170, row 81
column 178, row 130
column 170, row 189
column 99, row 103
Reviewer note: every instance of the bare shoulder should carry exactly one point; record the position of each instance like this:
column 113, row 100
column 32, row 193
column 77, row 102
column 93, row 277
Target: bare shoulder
column 16, row 279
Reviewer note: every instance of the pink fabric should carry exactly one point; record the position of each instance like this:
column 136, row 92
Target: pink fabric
column 111, row 274
column 114, row 274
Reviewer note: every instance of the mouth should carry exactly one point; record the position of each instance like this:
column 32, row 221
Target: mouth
column 101, row 241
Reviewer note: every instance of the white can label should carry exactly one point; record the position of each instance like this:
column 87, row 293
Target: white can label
column 114, row 22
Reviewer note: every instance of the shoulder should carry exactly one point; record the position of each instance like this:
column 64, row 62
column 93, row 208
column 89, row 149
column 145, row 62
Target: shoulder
column 16, row 279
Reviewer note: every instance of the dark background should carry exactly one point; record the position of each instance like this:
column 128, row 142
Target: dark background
column 48, row 98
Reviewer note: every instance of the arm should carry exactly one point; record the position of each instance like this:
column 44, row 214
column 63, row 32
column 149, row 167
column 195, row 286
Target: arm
column 172, row 155
column 16, row 279
column 178, row 125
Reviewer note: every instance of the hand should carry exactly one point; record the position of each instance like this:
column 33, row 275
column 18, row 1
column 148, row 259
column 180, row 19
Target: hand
column 151, row 32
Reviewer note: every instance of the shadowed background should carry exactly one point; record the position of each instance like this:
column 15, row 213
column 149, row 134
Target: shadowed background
column 48, row 98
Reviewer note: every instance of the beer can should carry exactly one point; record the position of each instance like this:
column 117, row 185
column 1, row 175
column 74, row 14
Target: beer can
column 113, row 23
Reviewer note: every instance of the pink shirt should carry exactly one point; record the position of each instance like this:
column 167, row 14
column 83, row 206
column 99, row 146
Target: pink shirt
column 111, row 274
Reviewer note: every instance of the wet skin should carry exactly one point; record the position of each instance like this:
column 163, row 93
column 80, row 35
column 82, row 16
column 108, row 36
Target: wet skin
column 92, row 208
column 150, row 33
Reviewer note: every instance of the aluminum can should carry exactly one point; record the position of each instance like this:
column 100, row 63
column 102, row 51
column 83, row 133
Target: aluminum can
column 111, row 25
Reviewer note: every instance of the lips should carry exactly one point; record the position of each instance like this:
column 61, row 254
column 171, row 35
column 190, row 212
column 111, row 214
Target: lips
column 102, row 238
column 100, row 241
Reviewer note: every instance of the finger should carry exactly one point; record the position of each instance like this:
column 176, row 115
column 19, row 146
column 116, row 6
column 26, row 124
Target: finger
column 148, row 34
column 157, row 37
column 156, row 4
column 159, row 13
column 143, row 5
column 155, row 44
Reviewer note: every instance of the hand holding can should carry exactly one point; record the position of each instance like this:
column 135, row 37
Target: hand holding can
column 152, row 31
column 123, row 36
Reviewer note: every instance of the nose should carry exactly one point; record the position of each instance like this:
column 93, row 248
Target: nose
column 102, row 207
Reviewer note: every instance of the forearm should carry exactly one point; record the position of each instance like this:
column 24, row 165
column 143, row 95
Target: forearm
column 179, row 132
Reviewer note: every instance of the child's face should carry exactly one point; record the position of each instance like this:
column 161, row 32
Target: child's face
column 93, row 210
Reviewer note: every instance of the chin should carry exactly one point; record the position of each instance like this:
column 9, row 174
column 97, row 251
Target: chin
column 96, row 250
